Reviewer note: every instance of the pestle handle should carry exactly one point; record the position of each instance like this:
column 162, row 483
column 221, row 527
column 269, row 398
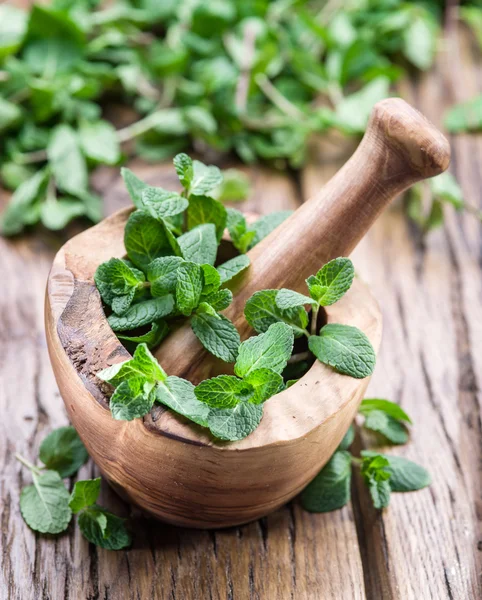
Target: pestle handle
column 399, row 148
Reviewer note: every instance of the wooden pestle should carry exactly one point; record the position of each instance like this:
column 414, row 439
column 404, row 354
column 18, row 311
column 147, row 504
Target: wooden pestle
column 399, row 148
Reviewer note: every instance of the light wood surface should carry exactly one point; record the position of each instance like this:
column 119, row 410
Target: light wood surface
column 425, row 546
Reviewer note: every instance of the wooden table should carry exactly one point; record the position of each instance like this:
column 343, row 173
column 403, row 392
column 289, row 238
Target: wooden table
column 427, row 544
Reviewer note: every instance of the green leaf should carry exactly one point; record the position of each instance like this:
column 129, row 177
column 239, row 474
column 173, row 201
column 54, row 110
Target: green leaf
column 63, row 451
column 13, row 23
column 376, row 476
column 392, row 429
column 390, row 408
column 23, row 202
column 332, row 281
column 241, row 237
column 179, row 395
column 10, row 114
column 203, row 209
column 84, row 494
column 211, row 280
column 142, row 313
column 353, row 111
column 234, row 187
column 465, row 117
column 104, row 529
column 217, row 334
column 116, row 278
column 162, row 273
column 220, row 300
column 330, row 489
column 266, row 224
column 348, row 438
column 286, row 299
column 233, row 267
column 266, row 383
column 236, row 423
column 419, row 40
column 132, row 399
column 224, row 391
column 204, row 179
column 160, row 203
column 143, row 365
column 189, row 287
column 261, row 311
column 98, row 140
column 45, row 504
column 445, row 187
column 152, row 338
column 56, row 214
column 146, row 238
column 200, row 244
column 184, row 169
column 270, row 350
column 134, row 186
column 405, row 475
column 345, row 348
column 66, row 160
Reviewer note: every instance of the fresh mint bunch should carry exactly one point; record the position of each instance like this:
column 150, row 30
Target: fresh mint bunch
column 46, row 504
column 381, row 473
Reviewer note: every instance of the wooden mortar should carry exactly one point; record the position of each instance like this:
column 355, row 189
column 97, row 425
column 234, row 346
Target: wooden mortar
column 167, row 465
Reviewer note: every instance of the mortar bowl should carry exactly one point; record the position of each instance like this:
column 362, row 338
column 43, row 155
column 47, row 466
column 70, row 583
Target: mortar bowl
column 166, row 465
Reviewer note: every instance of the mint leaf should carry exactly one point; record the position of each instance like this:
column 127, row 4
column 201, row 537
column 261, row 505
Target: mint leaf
column 184, row 169
column 162, row 273
column 23, row 203
column 178, row 394
column 204, row 179
column 84, row 494
column 445, row 187
column 270, row 350
column 376, row 476
column 392, row 429
column 261, row 311
column 160, row 203
column 98, row 140
column 134, row 186
column 120, row 304
column 63, row 451
column 345, row 348
column 217, row 334
column 152, row 338
column 132, row 399
column 241, row 237
column 189, row 287
column 234, row 187
column 203, row 209
column 265, row 382
column 143, row 313
column 332, row 281
column 211, row 280
column 236, row 423
column 330, row 489
column 66, row 160
column 205, row 307
column 220, row 299
column 146, row 238
column 266, row 224
column 224, row 391
column 115, row 278
column 233, row 267
column 45, row 504
column 200, row 244
column 104, row 529
column 142, row 365
column 348, row 438
column 405, row 475
column 390, row 408
column 286, row 299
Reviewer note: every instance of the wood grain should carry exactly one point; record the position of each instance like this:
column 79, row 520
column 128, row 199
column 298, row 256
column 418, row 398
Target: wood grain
column 426, row 546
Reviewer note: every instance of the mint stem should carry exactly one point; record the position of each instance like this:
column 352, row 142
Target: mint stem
column 299, row 357
column 355, row 461
column 314, row 319
column 139, row 127
column 27, row 464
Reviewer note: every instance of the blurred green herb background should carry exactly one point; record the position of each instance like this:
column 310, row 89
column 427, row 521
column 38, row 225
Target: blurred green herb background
column 254, row 79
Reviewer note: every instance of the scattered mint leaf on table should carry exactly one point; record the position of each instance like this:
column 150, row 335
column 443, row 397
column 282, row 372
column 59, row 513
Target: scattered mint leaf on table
column 261, row 311
column 200, row 244
column 330, row 489
column 143, row 313
column 345, row 348
column 233, row 267
column 84, row 494
column 217, row 334
column 387, row 406
column 45, row 503
column 104, row 529
column 405, row 475
column 63, row 451
column 376, row 476
column 392, row 429
column 270, row 350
